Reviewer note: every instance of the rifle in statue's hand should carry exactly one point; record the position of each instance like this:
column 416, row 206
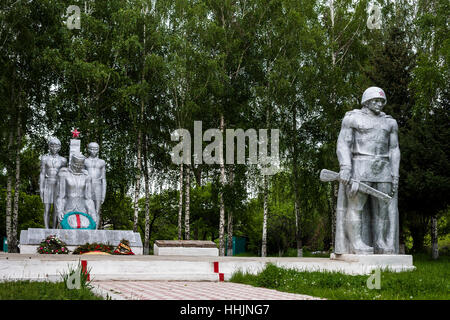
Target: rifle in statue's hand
column 328, row 175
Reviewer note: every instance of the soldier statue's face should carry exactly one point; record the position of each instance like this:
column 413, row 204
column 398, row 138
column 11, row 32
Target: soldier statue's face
column 93, row 151
column 54, row 148
column 77, row 166
column 375, row 105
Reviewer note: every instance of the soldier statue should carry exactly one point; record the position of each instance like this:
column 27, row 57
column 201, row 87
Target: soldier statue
column 97, row 170
column 51, row 164
column 75, row 189
column 369, row 159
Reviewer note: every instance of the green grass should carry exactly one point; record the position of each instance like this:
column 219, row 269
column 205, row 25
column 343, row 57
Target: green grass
column 33, row 290
column 38, row 290
column 430, row 280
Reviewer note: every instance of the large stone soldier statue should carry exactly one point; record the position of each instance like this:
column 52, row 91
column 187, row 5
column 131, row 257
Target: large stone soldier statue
column 368, row 152
column 51, row 163
column 75, row 190
column 97, row 170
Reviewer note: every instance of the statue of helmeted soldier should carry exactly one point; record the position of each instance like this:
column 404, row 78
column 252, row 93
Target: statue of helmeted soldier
column 97, row 170
column 51, row 164
column 75, row 189
column 368, row 152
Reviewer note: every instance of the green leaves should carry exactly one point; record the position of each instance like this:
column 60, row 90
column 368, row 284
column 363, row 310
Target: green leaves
column 145, row 68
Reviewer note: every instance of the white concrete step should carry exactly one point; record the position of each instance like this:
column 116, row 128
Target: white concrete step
column 113, row 269
column 178, row 268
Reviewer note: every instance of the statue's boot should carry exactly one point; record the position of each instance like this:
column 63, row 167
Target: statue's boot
column 358, row 246
column 381, row 245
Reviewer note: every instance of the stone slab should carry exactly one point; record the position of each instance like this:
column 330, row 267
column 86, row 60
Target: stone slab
column 31, row 238
column 186, row 243
column 184, row 251
column 74, row 148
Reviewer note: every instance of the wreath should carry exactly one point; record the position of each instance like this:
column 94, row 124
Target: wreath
column 66, row 225
column 122, row 249
column 52, row 245
column 90, row 247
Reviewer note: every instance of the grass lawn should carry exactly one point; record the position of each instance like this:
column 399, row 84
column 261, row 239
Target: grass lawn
column 430, row 280
column 33, row 290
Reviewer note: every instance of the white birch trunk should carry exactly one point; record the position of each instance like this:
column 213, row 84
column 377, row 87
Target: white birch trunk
column 187, row 229
column 180, row 205
column 9, row 199
column 298, row 232
column 140, row 121
column 15, row 215
column 266, row 199
column 266, row 210
column 221, row 200
column 9, row 210
column 230, row 219
column 298, row 228
column 333, row 53
column 147, row 204
column 138, row 176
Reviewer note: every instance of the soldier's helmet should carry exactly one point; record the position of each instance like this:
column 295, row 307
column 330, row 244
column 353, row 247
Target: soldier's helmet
column 372, row 93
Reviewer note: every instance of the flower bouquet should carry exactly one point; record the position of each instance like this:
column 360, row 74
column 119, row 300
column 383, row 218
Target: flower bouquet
column 94, row 247
column 123, row 248
column 52, row 245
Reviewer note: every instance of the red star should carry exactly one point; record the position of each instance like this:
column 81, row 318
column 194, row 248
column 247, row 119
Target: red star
column 75, row 133
column 382, row 93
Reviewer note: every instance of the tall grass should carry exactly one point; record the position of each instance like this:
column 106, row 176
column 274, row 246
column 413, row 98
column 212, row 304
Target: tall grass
column 33, row 290
column 44, row 290
column 430, row 280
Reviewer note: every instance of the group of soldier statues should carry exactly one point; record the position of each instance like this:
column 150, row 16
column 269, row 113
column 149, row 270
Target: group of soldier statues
column 79, row 187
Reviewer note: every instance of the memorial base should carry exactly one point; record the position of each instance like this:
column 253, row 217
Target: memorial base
column 31, row 238
column 185, row 248
column 394, row 262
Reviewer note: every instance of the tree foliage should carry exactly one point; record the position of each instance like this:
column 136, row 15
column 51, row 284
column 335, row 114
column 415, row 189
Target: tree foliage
column 138, row 70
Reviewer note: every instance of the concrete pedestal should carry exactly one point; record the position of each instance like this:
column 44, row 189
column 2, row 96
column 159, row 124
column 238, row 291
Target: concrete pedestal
column 31, row 238
column 185, row 248
column 394, row 262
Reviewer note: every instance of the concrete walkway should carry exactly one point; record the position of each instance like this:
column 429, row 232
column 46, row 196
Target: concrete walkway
column 189, row 290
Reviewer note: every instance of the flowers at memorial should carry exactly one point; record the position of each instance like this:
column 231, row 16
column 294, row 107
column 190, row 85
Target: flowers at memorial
column 52, row 245
column 123, row 248
column 91, row 247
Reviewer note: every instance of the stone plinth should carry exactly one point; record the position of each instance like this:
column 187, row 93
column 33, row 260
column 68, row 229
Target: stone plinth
column 74, row 148
column 394, row 262
column 185, row 248
column 31, row 238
